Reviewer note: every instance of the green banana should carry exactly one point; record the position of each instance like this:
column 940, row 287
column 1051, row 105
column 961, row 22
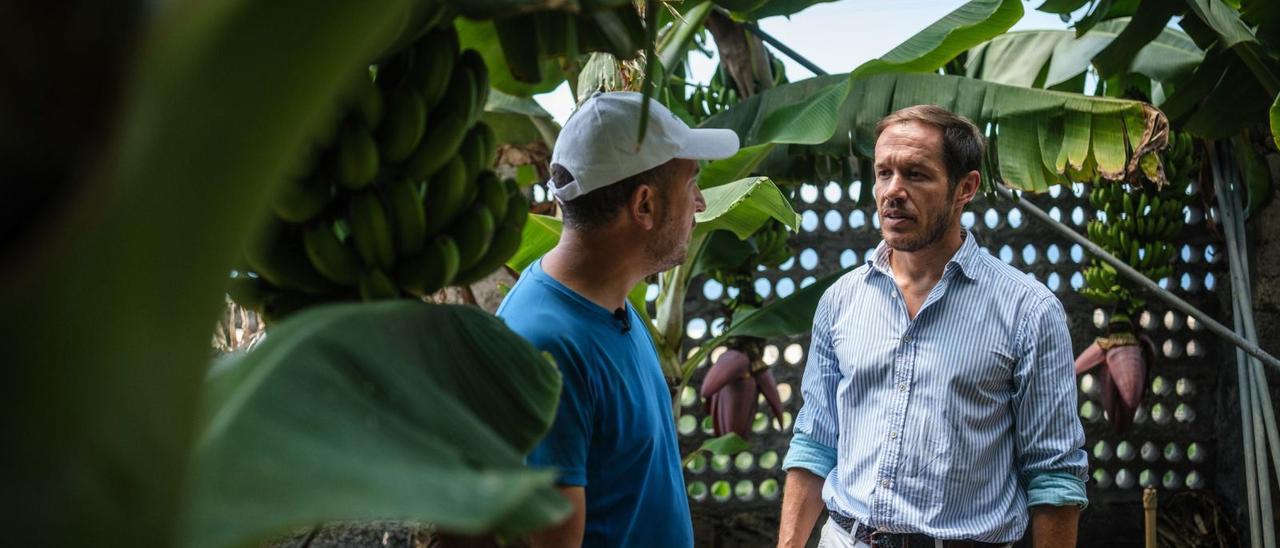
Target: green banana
column 461, row 95
column 474, row 63
column 434, row 59
column 493, row 194
column 330, row 256
column 376, row 286
column 506, row 241
column 357, row 157
column 517, row 205
column 300, row 200
column 407, row 215
column 518, row 37
column 394, row 72
column 472, row 152
column 371, row 107
column 488, row 145
column 431, row 270
column 371, row 231
column 406, row 121
column 445, row 194
column 473, row 232
column 276, row 254
column 440, row 143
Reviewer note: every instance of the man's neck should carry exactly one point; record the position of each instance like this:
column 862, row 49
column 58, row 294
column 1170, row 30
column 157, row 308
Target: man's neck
column 920, row 270
column 598, row 268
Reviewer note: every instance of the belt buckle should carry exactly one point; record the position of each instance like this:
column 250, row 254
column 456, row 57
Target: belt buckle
column 882, row 539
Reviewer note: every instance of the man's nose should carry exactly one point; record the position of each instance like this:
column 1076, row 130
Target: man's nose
column 891, row 188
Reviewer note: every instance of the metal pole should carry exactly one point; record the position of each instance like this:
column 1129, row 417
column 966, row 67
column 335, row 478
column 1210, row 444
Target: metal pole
column 784, row 49
column 1226, row 186
column 1134, row 276
column 1240, row 261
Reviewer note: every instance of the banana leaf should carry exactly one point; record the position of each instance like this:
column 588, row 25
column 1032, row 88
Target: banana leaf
column 483, row 37
column 1046, row 58
column 743, row 206
column 973, row 23
column 347, row 412
column 813, row 117
column 1042, row 133
column 735, row 167
column 121, row 283
column 519, row 120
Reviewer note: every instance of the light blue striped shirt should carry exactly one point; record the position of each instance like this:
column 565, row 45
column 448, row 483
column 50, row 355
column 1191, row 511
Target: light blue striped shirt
column 950, row 424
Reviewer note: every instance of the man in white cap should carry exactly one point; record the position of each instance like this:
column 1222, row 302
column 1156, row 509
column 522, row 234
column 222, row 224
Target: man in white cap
column 628, row 210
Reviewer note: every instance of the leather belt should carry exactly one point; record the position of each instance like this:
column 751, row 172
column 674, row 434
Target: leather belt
column 880, row 539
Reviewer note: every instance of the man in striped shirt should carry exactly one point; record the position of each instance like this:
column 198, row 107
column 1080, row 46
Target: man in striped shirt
column 939, row 397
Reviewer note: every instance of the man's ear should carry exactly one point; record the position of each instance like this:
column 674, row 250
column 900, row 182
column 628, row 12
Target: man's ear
column 967, row 188
column 642, row 207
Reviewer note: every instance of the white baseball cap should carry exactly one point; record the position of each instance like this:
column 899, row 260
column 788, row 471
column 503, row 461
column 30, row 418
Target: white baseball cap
column 598, row 147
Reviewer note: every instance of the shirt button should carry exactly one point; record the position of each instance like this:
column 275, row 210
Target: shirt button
column 893, row 435
column 902, row 387
column 906, row 338
column 884, row 483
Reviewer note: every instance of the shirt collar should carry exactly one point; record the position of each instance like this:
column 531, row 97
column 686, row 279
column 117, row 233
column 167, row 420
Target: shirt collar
column 965, row 259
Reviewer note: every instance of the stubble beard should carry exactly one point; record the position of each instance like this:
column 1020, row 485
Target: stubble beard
column 935, row 228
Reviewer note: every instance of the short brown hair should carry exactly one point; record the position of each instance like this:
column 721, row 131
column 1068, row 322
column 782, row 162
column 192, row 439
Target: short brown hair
column 962, row 143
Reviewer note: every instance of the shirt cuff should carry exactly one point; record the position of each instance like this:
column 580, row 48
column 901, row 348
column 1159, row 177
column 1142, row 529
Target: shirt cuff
column 809, row 455
column 1056, row 489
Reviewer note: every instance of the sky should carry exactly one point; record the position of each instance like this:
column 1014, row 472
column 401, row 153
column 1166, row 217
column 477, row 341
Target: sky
column 837, row 37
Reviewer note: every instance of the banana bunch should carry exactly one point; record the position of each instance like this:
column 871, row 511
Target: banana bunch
column 1139, row 227
column 397, row 199
column 769, row 247
column 718, row 95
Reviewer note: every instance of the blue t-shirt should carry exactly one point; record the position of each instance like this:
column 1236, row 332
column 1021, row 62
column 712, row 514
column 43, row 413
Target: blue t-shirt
column 613, row 433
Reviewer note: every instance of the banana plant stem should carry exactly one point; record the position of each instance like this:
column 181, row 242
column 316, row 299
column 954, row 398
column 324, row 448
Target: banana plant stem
column 1136, row 277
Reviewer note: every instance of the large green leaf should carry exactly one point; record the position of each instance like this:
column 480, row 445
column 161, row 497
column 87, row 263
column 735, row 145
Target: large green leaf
column 1147, row 25
column 1116, row 130
column 735, row 167
column 541, row 234
column 742, row 207
column 483, row 37
column 814, row 119
column 1233, row 34
column 519, row 120
column 121, row 282
column 1045, row 58
column 972, row 23
column 348, row 412
column 784, row 317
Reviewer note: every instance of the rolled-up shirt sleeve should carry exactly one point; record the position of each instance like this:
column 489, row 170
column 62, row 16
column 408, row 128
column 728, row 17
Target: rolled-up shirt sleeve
column 1048, row 438
column 813, row 445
